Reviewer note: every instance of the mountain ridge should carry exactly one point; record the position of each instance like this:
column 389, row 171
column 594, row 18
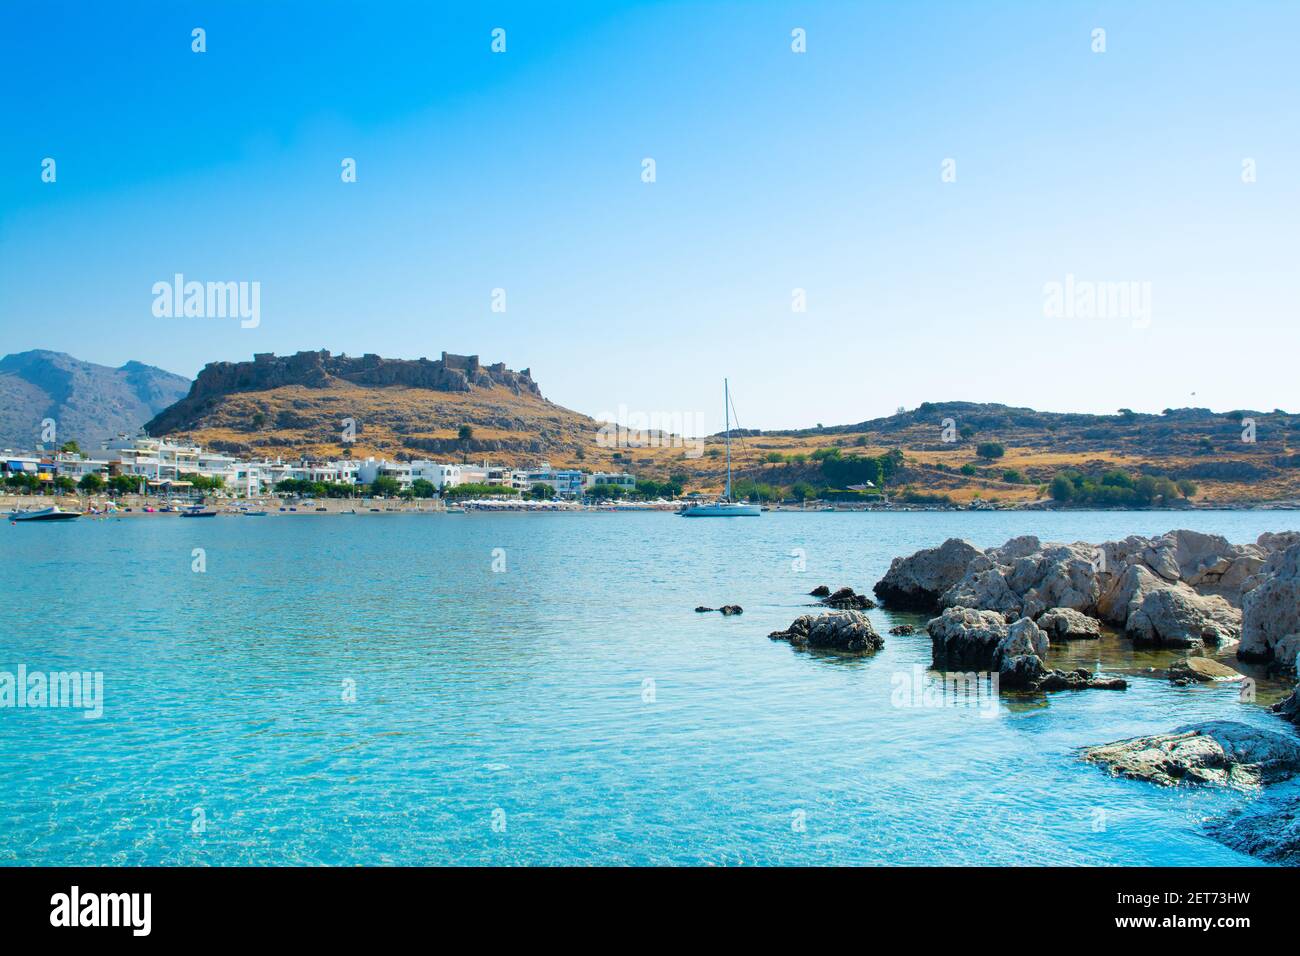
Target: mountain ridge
column 88, row 402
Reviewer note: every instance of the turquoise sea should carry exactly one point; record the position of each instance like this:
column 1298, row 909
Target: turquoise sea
column 369, row 690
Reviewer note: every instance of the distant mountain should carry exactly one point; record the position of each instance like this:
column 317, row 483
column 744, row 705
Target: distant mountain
column 87, row 402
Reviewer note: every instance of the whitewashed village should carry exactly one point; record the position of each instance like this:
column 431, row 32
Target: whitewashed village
column 159, row 474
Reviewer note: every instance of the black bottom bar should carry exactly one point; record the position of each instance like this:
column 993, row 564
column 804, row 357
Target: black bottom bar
column 336, row 905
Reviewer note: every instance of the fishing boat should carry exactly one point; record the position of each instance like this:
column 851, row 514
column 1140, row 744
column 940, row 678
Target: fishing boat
column 724, row 507
column 45, row 514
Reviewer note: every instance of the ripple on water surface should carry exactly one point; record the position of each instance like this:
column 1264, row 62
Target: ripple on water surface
column 352, row 690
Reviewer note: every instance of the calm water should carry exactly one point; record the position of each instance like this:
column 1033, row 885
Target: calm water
column 509, row 717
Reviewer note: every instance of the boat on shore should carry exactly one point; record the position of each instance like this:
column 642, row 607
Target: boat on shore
column 724, row 507
column 198, row 511
column 44, row 514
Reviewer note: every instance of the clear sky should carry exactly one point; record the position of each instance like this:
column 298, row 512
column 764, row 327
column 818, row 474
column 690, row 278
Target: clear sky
column 775, row 171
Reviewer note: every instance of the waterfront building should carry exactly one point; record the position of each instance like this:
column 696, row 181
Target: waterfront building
column 567, row 482
column 622, row 479
column 164, row 466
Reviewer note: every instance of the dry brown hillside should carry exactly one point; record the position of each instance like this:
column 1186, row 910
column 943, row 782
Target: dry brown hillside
column 300, row 405
column 297, row 406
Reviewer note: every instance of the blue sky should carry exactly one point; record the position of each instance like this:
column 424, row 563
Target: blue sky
column 775, row 171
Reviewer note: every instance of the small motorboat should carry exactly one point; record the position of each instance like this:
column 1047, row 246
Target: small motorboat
column 198, row 511
column 44, row 514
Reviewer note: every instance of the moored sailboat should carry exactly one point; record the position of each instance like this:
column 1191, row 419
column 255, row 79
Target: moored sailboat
column 724, row 507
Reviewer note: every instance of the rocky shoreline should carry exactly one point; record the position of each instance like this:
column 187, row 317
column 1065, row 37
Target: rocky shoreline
column 1002, row 607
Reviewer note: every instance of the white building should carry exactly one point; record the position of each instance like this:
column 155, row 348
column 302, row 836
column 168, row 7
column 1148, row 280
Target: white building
column 567, row 482
column 163, row 460
column 162, row 465
column 438, row 474
column 372, row 468
column 622, row 479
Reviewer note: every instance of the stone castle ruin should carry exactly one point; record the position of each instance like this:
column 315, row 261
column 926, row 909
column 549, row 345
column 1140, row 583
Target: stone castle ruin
column 450, row 373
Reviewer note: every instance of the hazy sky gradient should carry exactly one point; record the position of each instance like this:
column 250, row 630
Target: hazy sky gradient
column 775, row 171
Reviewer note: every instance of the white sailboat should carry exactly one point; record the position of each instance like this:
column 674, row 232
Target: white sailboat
column 725, row 507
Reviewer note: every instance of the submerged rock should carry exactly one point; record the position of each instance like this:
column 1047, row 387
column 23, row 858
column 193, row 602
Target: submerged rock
column 844, row 631
column 1067, row 624
column 703, row 610
column 916, row 582
column 1202, row 670
column 1269, row 831
column 1078, row 679
column 1220, row 752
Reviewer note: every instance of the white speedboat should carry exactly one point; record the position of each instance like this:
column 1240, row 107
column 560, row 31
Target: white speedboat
column 45, row 514
column 724, row 507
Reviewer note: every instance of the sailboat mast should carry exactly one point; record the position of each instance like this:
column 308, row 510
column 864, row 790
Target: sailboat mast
column 726, row 411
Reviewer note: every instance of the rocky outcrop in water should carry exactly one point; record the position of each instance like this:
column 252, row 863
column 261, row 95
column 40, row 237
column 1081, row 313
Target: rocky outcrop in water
column 916, row 582
column 1219, row 752
column 1177, row 616
column 1270, row 626
column 903, row 629
column 1269, row 831
column 1180, row 589
column 843, row 631
column 966, row 638
column 1018, row 657
column 846, row 599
